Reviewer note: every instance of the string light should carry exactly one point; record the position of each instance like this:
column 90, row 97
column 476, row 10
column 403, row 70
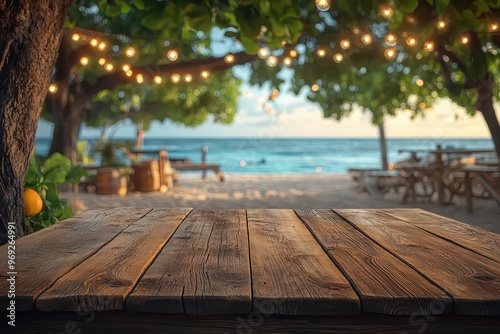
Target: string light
column 84, row 61
column 188, row 78
column 287, row 61
column 367, row 39
column 293, row 53
column 390, row 53
column 419, row 83
column 205, row 74
column 321, row 52
column 345, row 44
column 411, row 41
column 429, row 46
column 386, row 12
column 229, row 58
column 283, row 43
column 355, row 31
column 130, row 52
column 176, row 78
column 441, row 24
column 102, row 46
column 272, row 61
column 494, row 27
column 323, row 5
column 94, row 42
column 172, row 55
column 338, row 57
column 315, row 87
column 391, row 39
column 157, row 80
column 126, row 67
column 263, row 53
column 139, row 78
column 101, row 61
column 464, row 39
column 129, row 73
column 75, row 37
column 109, row 67
column 52, row 88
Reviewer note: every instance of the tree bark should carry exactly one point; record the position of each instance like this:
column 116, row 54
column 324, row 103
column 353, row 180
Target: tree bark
column 485, row 105
column 31, row 31
column 66, row 129
column 383, row 146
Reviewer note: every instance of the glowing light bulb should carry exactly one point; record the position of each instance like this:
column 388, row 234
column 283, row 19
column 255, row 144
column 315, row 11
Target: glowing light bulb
column 139, row 78
column 102, row 46
column 263, row 53
column 338, row 57
column 390, row 39
column 287, row 61
column 94, row 42
column 355, row 30
column 323, row 5
column 494, row 26
column 52, row 88
column 172, row 55
column 293, row 53
column 321, row 52
column 390, row 53
column 441, row 24
column 411, row 41
column 75, row 37
column 367, row 39
column 229, row 58
column 205, row 74
column 129, row 73
column 188, row 78
column 84, row 61
column 419, row 82
column 272, row 61
column 175, row 78
column 130, row 52
column 386, row 12
column 429, row 46
column 315, row 88
column 126, row 67
column 464, row 39
column 345, row 44
column 109, row 67
column 101, row 61
column 157, row 80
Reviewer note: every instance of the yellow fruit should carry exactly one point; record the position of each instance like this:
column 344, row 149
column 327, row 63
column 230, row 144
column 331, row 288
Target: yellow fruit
column 32, row 203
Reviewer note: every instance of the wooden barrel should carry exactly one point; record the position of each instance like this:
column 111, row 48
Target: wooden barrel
column 147, row 176
column 110, row 181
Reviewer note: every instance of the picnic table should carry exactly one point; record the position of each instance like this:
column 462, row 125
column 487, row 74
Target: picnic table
column 139, row 270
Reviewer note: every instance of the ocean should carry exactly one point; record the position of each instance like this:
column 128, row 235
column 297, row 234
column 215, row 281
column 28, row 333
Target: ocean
column 291, row 155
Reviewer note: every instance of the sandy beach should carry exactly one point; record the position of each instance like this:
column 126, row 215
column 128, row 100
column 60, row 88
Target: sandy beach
column 282, row 191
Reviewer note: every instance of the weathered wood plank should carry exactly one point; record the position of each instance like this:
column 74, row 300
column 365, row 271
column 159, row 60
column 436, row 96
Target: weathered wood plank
column 45, row 256
column 471, row 279
column 476, row 239
column 104, row 280
column 203, row 269
column 133, row 323
column 385, row 284
column 291, row 274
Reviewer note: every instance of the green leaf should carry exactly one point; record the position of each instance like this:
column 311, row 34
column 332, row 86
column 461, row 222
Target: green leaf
column 56, row 167
column 75, row 174
column 470, row 19
column 251, row 45
column 113, row 10
column 139, row 4
column 124, row 6
column 408, row 6
column 441, row 6
column 155, row 20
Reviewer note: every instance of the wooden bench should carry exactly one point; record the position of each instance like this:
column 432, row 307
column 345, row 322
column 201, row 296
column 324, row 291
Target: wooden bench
column 138, row 270
column 487, row 176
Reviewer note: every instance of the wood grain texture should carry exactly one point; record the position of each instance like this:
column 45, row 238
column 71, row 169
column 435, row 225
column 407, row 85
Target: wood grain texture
column 104, row 280
column 476, row 239
column 471, row 279
column 45, row 256
column 385, row 284
column 133, row 323
column 291, row 273
column 203, row 269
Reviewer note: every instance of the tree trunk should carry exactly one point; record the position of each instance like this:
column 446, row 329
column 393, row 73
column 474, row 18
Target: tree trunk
column 485, row 105
column 383, row 146
column 66, row 129
column 31, row 31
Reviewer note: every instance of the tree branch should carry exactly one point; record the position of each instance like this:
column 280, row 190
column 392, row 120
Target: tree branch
column 110, row 81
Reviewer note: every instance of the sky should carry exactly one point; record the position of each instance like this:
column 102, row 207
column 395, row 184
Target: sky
column 301, row 118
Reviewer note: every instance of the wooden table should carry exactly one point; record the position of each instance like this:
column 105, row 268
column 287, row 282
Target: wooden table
column 138, row 270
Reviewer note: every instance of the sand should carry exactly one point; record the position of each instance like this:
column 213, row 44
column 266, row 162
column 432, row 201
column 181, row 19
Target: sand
column 283, row 191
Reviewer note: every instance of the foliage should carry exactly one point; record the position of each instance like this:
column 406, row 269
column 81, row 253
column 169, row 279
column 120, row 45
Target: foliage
column 106, row 149
column 46, row 179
